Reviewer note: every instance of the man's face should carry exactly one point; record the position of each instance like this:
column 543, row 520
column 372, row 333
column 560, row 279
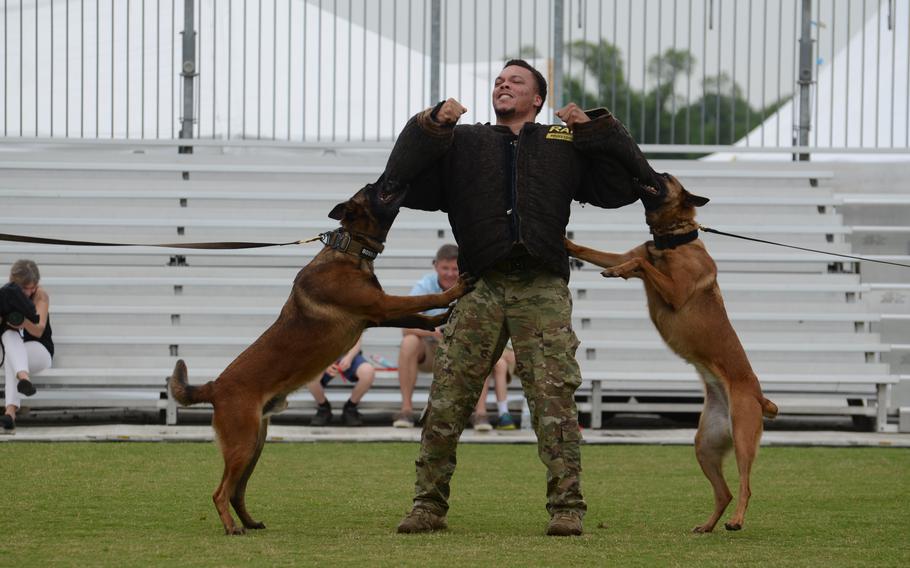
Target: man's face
column 446, row 272
column 515, row 92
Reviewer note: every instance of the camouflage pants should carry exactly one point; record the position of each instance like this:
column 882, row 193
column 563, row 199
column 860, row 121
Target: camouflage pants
column 534, row 308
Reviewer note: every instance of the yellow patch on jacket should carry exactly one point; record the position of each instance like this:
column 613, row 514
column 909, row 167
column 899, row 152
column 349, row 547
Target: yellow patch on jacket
column 559, row 133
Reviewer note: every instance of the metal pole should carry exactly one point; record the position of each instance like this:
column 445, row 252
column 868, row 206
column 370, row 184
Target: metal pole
column 558, row 47
column 805, row 76
column 435, row 22
column 188, row 71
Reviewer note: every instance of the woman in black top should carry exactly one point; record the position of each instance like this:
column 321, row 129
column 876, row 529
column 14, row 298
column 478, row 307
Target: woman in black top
column 28, row 346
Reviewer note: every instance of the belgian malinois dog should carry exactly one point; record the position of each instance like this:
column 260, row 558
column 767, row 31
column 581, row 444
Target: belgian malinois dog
column 687, row 308
column 334, row 298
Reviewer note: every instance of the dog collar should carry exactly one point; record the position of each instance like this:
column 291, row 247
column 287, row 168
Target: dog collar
column 343, row 241
column 663, row 242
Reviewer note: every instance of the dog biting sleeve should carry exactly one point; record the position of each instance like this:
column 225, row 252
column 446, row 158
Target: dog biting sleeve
column 619, row 169
column 421, row 143
column 415, row 160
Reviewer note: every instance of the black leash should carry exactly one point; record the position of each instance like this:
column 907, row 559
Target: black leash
column 218, row 245
column 339, row 239
column 324, row 237
column 716, row 232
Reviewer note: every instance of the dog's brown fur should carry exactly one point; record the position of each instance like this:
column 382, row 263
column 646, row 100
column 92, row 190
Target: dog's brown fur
column 687, row 308
column 334, row 298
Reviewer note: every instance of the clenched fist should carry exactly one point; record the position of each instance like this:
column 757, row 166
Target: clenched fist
column 450, row 112
column 572, row 114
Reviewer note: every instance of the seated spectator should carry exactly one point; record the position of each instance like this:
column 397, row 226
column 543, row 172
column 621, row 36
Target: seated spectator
column 353, row 367
column 27, row 346
column 418, row 346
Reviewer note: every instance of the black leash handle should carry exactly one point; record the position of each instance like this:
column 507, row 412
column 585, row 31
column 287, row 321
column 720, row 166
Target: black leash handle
column 716, row 232
column 219, row 245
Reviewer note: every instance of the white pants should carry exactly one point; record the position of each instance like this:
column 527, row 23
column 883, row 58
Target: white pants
column 21, row 355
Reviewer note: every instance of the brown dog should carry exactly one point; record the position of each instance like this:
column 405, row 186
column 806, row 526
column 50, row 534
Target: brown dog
column 687, row 308
column 334, row 298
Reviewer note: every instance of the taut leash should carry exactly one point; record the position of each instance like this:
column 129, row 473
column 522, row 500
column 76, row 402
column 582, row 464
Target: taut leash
column 216, row 245
column 716, row 232
column 338, row 239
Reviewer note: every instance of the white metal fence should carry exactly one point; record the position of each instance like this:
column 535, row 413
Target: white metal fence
column 678, row 72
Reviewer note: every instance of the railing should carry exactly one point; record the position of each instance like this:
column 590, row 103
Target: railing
column 696, row 73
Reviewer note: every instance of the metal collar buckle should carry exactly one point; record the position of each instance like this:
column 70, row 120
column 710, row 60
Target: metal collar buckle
column 341, row 240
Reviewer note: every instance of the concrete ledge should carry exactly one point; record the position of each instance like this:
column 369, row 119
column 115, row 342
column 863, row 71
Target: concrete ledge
column 287, row 434
column 904, row 419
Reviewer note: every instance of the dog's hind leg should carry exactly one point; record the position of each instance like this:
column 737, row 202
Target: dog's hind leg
column 746, row 412
column 238, row 500
column 712, row 443
column 237, row 429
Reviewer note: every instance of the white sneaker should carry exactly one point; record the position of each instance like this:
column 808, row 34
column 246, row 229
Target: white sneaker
column 481, row 423
column 403, row 420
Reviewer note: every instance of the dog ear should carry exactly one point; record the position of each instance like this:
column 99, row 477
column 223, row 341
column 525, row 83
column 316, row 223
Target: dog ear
column 338, row 211
column 696, row 200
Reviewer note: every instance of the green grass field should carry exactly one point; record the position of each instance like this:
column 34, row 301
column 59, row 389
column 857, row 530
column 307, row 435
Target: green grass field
column 131, row 504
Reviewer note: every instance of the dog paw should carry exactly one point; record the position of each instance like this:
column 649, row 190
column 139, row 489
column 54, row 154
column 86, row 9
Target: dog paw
column 465, row 284
column 630, row 269
column 235, row 531
column 733, row 526
column 255, row 525
column 610, row 273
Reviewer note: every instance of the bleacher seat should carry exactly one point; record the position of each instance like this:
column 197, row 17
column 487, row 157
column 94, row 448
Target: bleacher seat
column 122, row 316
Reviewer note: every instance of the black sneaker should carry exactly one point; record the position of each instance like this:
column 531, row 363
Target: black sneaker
column 323, row 415
column 9, row 425
column 350, row 415
column 26, row 387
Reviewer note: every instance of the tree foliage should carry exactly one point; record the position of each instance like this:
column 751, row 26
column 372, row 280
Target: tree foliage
column 660, row 113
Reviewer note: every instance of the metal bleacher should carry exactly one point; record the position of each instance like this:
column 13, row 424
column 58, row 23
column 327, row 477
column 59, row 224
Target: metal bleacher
column 123, row 315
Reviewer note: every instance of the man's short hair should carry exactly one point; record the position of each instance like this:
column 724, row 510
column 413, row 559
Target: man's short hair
column 446, row 252
column 541, row 82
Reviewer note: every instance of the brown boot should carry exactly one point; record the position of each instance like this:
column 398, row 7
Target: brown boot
column 420, row 520
column 564, row 523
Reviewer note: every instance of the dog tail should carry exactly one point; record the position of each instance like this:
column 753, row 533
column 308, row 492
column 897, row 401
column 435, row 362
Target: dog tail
column 768, row 408
column 183, row 392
